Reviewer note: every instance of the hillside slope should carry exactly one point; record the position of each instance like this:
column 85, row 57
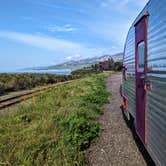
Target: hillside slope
column 78, row 64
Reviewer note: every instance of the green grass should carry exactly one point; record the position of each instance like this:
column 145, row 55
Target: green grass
column 55, row 128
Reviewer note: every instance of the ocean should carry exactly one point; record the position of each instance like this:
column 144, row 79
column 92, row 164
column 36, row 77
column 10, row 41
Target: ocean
column 57, row 72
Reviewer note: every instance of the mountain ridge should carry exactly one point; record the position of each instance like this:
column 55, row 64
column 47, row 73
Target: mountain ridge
column 77, row 64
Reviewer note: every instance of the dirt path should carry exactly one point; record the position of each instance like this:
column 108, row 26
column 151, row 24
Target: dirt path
column 115, row 145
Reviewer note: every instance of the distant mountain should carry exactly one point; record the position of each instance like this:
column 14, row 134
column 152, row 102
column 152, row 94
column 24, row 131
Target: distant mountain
column 73, row 65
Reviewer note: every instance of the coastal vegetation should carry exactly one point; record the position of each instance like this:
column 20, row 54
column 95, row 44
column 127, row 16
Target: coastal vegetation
column 55, row 128
column 16, row 82
column 106, row 65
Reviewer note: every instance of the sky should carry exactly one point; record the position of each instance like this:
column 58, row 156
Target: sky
column 46, row 32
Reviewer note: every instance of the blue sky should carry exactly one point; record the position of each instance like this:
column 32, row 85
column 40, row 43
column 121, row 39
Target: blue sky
column 46, row 32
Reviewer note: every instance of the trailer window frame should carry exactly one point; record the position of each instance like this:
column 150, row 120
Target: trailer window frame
column 141, row 55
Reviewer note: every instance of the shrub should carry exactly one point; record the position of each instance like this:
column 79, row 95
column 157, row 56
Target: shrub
column 16, row 82
column 2, row 88
column 80, row 130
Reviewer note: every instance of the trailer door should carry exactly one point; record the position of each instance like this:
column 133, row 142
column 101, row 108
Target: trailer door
column 141, row 68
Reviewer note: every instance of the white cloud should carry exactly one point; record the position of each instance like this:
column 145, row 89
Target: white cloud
column 125, row 2
column 54, row 5
column 115, row 28
column 139, row 3
column 64, row 28
column 41, row 41
column 122, row 4
column 113, row 31
column 65, row 48
column 69, row 57
column 75, row 57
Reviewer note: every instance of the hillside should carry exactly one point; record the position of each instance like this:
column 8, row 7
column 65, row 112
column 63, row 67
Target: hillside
column 72, row 64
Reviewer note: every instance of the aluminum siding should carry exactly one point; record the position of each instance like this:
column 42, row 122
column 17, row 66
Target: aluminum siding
column 157, row 97
column 129, row 61
column 156, row 103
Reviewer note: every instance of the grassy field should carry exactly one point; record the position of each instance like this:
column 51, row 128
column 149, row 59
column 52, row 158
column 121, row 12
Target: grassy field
column 55, row 128
column 25, row 81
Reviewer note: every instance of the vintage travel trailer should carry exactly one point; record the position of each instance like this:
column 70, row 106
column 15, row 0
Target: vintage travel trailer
column 144, row 78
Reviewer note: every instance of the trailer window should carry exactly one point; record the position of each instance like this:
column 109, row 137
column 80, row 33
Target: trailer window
column 141, row 55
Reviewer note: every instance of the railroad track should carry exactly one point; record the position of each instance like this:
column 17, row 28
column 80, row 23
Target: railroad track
column 9, row 100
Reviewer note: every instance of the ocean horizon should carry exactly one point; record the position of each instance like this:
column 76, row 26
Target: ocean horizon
column 58, row 72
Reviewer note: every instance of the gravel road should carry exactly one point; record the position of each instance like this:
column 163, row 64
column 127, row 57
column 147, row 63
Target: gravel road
column 116, row 145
